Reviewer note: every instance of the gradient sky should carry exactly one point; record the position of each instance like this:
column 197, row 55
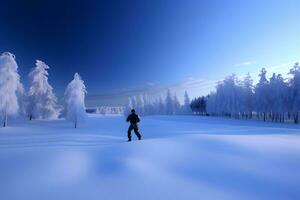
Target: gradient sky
column 127, row 47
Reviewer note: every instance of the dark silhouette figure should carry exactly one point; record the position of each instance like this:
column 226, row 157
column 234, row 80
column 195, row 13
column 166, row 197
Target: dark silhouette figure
column 134, row 120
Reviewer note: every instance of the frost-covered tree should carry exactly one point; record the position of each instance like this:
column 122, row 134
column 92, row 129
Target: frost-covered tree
column 9, row 85
column 186, row 109
column 140, row 106
column 169, row 103
column 277, row 97
column 176, row 105
column 155, row 105
column 211, row 104
column 295, row 91
column 42, row 102
column 129, row 106
column 74, row 100
column 262, row 94
column 148, row 105
column 281, row 95
column 229, row 98
column 272, row 98
column 161, row 106
column 248, row 96
column 134, row 102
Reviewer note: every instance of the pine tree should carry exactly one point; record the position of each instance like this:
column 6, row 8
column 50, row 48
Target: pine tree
column 129, row 106
column 134, row 102
column 42, row 102
column 295, row 90
column 148, row 110
column 9, row 85
column 281, row 96
column 262, row 94
column 74, row 100
column 161, row 106
column 187, row 104
column 140, row 106
column 176, row 105
column 248, row 96
column 169, row 103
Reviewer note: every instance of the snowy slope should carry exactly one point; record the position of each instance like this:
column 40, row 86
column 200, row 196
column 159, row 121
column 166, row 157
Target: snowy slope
column 181, row 157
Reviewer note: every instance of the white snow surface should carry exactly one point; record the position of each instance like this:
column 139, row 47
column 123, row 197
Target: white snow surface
column 180, row 157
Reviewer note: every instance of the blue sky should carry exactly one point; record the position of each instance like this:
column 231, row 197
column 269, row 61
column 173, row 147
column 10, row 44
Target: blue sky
column 126, row 47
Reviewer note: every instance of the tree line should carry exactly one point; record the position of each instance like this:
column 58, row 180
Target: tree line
column 39, row 102
column 275, row 99
column 163, row 105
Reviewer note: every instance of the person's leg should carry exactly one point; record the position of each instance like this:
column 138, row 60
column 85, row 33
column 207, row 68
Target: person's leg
column 129, row 133
column 136, row 131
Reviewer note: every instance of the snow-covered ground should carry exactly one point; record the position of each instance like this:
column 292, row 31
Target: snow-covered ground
column 181, row 157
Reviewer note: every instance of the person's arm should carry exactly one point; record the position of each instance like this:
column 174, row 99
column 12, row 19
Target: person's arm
column 138, row 119
column 128, row 119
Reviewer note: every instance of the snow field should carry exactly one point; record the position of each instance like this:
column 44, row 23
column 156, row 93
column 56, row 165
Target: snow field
column 181, row 157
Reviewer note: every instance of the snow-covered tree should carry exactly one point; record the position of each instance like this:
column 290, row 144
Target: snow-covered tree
column 134, row 102
column 295, row 91
column 248, row 96
column 272, row 94
column 230, row 98
column 148, row 105
column 74, row 100
column 262, row 94
column 155, row 105
column 140, row 106
column 42, row 102
column 277, row 97
column 169, row 103
column 186, row 109
column 9, row 86
column 272, row 98
column 282, row 98
column 129, row 106
column 161, row 106
column 176, row 105
column 212, row 104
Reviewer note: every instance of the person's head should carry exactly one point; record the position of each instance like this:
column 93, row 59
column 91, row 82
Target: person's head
column 132, row 111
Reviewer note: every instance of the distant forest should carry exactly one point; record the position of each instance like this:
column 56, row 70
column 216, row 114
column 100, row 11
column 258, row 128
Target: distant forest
column 273, row 99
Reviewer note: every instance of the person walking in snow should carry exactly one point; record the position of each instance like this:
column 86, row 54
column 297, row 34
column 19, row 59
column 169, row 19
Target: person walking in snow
column 134, row 120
